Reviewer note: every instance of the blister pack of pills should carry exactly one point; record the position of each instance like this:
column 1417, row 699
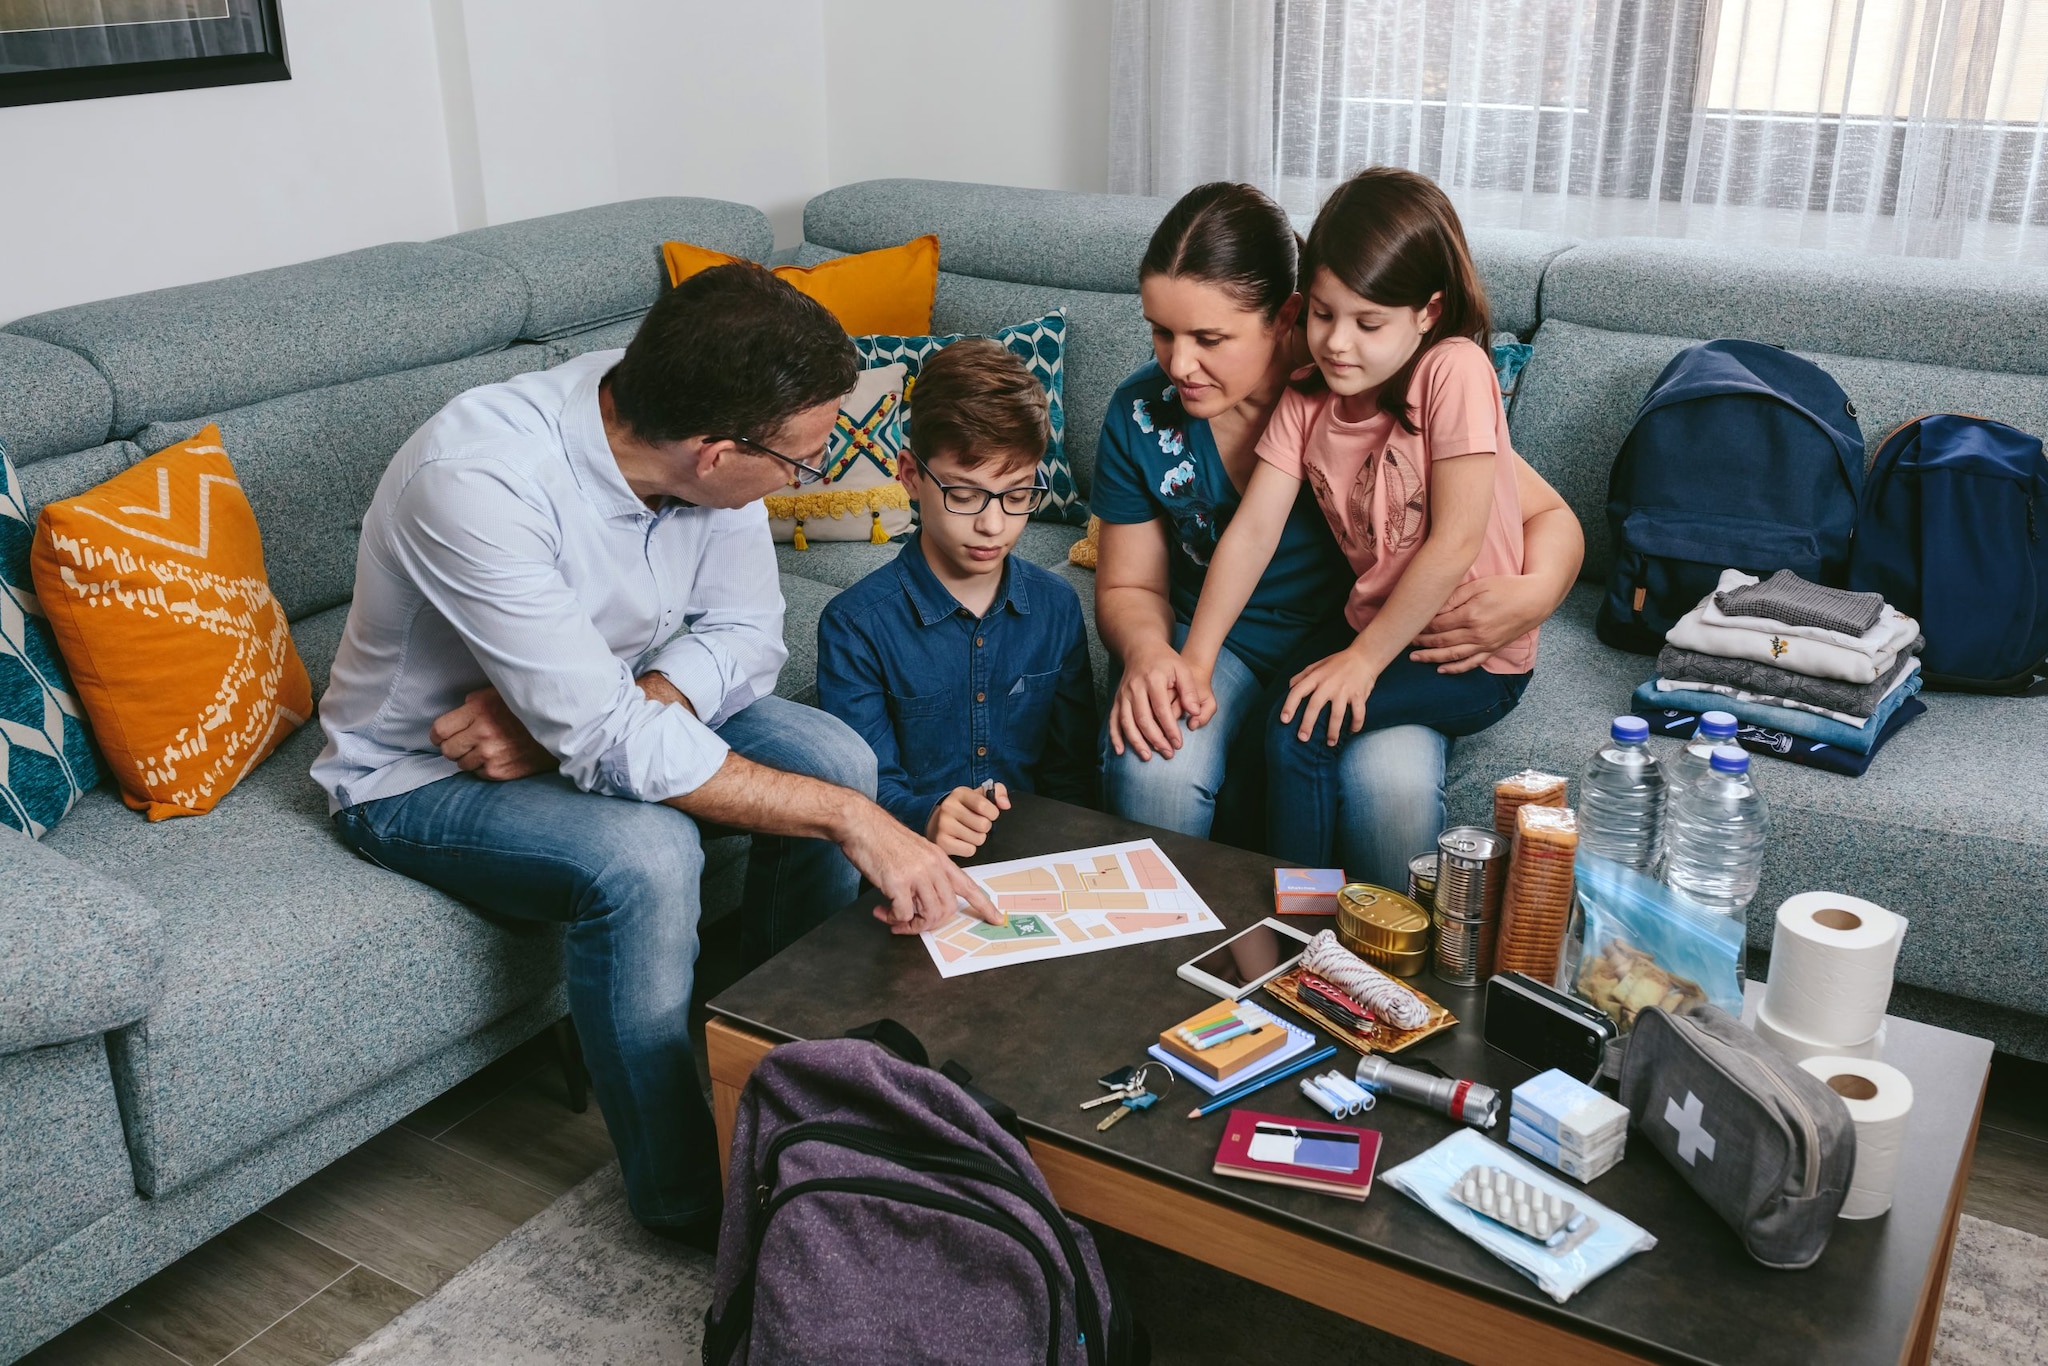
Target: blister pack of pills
column 1538, row 1215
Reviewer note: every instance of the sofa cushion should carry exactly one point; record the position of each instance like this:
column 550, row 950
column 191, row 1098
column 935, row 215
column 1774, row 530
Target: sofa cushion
column 310, row 462
column 80, row 953
column 613, row 336
column 1577, row 399
column 66, row 476
column 295, row 974
column 56, row 401
column 62, row 1161
column 1951, row 817
column 179, row 353
column 601, row 264
column 1978, row 315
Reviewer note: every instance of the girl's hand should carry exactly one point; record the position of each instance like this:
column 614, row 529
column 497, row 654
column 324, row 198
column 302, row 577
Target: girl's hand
column 1198, row 698
column 1480, row 617
column 1145, row 713
column 1340, row 682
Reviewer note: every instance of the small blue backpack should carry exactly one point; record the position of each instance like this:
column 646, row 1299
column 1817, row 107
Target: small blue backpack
column 1954, row 531
column 1743, row 456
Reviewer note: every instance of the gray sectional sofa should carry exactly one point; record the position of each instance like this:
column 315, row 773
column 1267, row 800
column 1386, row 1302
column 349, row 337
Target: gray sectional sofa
column 195, row 1015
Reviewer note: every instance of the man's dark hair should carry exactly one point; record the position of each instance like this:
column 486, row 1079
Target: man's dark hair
column 731, row 351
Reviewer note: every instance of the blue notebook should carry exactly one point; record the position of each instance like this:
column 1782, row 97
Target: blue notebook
column 1299, row 1041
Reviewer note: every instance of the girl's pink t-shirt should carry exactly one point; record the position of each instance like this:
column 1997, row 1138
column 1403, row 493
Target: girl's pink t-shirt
column 1372, row 477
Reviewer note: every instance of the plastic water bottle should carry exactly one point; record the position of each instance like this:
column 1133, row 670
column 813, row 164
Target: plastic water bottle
column 1717, row 832
column 1621, row 798
column 1716, row 728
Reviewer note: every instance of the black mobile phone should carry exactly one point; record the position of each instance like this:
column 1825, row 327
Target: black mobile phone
column 1533, row 1022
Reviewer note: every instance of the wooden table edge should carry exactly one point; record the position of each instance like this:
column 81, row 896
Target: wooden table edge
column 1927, row 1314
column 1406, row 1305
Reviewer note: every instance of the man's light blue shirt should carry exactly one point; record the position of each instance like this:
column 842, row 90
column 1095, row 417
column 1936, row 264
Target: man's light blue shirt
column 504, row 548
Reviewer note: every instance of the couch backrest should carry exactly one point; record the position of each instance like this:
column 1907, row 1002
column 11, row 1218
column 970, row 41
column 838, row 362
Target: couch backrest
column 317, row 373
column 1902, row 335
column 1007, row 255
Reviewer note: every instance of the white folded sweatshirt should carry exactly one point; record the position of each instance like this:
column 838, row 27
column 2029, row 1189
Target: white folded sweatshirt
column 1811, row 650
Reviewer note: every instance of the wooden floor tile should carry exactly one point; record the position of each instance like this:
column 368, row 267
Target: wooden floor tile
column 466, row 1097
column 2009, row 1181
column 231, row 1288
column 99, row 1341
column 408, row 1208
column 530, row 1132
column 329, row 1324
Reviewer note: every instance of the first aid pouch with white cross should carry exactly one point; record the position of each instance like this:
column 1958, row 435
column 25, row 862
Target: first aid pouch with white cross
column 1769, row 1146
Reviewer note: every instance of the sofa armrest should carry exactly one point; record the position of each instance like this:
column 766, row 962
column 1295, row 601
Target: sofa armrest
column 79, row 953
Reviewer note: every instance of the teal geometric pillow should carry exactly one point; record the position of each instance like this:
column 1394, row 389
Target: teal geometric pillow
column 1509, row 356
column 46, row 759
column 1041, row 345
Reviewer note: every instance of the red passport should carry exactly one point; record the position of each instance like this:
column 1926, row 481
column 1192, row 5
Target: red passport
column 1335, row 1159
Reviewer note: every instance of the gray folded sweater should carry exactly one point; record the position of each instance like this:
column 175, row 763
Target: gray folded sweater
column 1788, row 598
column 1851, row 699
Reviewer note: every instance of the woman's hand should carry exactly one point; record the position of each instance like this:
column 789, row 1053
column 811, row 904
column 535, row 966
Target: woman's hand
column 1157, row 688
column 1342, row 682
column 1480, row 617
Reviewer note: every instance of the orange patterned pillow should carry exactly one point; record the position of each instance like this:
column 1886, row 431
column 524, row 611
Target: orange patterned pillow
column 888, row 291
column 154, row 585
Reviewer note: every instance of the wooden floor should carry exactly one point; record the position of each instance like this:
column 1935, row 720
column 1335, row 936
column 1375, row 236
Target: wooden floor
column 329, row 1263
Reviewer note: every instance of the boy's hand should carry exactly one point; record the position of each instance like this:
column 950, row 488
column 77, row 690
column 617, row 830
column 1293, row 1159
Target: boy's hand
column 1342, row 682
column 961, row 821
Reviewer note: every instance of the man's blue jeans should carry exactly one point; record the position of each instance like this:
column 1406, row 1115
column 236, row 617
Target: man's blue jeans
column 622, row 875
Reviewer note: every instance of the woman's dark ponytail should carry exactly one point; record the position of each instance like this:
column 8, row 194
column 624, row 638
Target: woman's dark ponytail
column 1231, row 236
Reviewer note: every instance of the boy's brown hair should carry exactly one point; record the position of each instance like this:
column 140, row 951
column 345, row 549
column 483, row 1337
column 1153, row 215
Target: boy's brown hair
column 975, row 402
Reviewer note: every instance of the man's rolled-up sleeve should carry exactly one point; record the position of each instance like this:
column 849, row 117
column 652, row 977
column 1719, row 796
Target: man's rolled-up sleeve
column 481, row 544
column 731, row 651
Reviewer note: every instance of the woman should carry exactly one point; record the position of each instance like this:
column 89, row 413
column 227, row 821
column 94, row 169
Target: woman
column 1218, row 284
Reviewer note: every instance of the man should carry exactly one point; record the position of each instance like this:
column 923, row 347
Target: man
column 561, row 658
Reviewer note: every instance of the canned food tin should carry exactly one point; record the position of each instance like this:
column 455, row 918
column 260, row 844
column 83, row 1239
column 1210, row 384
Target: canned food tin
column 1384, row 919
column 1464, row 950
column 1472, row 872
column 1422, row 880
column 1393, row 963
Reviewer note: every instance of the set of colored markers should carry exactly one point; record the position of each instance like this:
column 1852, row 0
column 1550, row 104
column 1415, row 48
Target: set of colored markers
column 1212, row 1032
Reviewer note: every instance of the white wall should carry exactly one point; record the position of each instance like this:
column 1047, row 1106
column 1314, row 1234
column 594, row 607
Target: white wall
column 408, row 119
column 108, row 197
column 1001, row 91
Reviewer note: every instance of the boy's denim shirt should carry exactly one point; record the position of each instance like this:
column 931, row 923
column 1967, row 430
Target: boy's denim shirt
column 946, row 700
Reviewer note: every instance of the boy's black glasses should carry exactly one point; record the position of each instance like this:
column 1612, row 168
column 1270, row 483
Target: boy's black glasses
column 969, row 501
column 805, row 474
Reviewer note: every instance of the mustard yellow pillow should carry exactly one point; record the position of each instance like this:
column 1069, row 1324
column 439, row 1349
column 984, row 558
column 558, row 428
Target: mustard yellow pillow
column 154, row 586
column 888, row 291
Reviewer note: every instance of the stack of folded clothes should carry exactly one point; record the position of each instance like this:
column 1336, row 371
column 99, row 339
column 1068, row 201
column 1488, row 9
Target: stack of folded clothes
column 1834, row 669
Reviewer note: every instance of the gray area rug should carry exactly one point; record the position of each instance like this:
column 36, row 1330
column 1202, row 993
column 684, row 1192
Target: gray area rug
column 580, row 1284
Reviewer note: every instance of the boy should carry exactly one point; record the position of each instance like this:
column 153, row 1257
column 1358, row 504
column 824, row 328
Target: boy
column 963, row 667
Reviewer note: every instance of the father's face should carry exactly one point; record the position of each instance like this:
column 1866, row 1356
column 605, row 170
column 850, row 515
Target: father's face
column 742, row 474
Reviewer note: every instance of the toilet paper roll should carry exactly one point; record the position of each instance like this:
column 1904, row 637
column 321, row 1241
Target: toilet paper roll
column 1831, row 967
column 1799, row 1048
column 1879, row 1099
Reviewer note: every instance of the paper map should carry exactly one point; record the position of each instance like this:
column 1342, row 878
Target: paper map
column 1077, row 902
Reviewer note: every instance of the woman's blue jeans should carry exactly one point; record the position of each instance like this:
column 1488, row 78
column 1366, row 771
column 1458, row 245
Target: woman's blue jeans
column 622, row 875
column 1376, row 798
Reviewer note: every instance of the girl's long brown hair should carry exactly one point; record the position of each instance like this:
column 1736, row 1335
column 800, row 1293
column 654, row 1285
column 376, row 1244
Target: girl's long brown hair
column 1391, row 236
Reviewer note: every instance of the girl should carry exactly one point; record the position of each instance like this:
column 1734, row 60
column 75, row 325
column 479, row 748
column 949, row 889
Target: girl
column 1218, row 285
column 1400, row 434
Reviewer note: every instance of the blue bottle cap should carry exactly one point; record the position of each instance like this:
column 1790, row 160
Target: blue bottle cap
column 1729, row 759
column 1630, row 729
column 1718, row 723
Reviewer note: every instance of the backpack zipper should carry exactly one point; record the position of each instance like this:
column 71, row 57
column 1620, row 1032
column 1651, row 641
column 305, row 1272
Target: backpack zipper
column 946, row 1204
column 920, row 1156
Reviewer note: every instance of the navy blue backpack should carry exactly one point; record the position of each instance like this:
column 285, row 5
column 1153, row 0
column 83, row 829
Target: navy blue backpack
column 1954, row 532
column 1743, row 456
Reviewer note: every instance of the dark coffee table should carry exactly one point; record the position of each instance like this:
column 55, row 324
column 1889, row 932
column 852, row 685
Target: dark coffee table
column 1038, row 1034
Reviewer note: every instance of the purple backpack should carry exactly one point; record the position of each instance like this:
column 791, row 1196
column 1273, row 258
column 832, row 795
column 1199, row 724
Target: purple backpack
column 879, row 1211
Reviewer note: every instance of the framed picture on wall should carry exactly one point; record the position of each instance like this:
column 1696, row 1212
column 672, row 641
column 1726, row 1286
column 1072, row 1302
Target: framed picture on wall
column 54, row 50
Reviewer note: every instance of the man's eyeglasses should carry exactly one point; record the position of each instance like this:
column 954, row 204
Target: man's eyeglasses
column 805, row 473
column 969, row 501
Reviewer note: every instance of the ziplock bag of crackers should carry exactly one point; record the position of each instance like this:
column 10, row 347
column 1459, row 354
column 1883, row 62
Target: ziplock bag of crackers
column 1643, row 944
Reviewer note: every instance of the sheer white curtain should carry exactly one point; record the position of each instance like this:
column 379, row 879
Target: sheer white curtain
column 1909, row 126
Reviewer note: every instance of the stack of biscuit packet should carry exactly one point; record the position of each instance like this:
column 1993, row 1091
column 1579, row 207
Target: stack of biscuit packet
column 1536, row 910
column 1527, row 788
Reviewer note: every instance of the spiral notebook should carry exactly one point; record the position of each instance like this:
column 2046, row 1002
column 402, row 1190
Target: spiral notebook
column 1299, row 1041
